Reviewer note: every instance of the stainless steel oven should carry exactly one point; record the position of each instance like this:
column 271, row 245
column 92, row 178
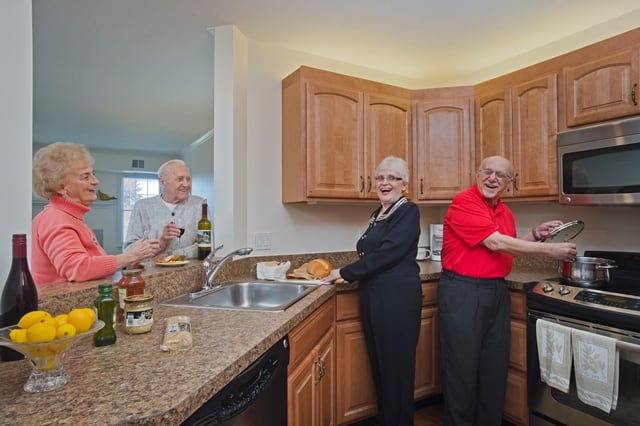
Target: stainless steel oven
column 612, row 311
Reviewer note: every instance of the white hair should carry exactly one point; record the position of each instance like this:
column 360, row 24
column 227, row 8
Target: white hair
column 165, row 164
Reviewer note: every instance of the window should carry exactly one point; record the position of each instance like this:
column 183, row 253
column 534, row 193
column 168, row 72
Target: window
column 134, row 188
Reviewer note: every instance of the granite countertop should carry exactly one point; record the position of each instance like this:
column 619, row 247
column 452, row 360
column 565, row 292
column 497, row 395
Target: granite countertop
column 134, row 382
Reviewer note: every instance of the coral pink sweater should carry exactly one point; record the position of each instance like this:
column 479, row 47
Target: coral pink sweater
column 64, row 248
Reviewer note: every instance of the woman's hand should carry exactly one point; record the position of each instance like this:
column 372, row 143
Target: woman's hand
column 144, row 249
column 333, row 276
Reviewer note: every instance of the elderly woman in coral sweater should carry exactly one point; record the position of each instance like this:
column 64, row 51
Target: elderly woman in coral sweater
column 64, row 248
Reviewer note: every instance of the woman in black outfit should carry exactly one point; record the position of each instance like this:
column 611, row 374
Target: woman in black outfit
column 390, row 292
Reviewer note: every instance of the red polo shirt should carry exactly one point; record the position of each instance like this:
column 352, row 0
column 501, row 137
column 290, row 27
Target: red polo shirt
column 469, row 220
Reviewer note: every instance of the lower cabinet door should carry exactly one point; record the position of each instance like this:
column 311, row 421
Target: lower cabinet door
column 356, row 396
column 515, row 401
column 428, row 356
column 311, row 387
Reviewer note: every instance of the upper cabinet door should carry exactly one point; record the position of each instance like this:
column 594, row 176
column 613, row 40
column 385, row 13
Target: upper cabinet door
column 535, row 126
column 493, row 125
column 387, row 132
column 334, row 141
column 602, row 89
column 443, row 147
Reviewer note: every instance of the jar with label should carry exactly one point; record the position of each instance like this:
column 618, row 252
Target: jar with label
column 130, row 284
column 138, row 313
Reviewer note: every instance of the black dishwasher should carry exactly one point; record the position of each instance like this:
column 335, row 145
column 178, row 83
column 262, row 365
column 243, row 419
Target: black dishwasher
column 257, row 397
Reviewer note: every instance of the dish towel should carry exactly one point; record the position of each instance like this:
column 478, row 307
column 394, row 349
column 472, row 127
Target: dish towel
column 596, row 369
column 554, row 353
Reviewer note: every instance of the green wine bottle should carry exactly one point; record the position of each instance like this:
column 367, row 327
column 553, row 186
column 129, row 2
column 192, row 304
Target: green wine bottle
column 204, row 233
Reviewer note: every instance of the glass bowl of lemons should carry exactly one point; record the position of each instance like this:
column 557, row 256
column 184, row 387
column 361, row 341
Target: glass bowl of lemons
column 44, row 341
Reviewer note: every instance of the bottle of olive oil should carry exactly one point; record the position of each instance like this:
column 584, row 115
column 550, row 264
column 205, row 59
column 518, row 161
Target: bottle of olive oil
column 106, row 311
column 204, row 233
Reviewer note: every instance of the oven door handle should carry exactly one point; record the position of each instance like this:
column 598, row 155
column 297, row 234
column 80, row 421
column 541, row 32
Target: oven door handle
column 626, row 340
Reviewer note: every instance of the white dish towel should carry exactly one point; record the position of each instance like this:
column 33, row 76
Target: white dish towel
column 554, row 353
column 596, row 369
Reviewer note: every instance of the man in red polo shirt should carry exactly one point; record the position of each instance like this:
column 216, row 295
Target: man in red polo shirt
column 473, row 300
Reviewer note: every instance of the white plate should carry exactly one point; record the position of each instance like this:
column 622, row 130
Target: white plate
column 178, row 263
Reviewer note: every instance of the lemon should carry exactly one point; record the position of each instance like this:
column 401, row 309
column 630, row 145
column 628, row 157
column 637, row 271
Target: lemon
column 30, row 318
column 65, row 330
column 81, row 319
column 60, row 319
column 41, row 332
column 18, row 335
column 91, row 312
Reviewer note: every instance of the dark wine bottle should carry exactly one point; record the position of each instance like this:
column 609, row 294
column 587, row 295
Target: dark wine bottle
column 204, row 234
column 19, row 295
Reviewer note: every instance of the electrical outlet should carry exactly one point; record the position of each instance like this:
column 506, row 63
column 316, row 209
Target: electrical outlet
column 262, row 240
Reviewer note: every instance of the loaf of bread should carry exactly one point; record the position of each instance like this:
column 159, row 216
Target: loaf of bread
column 319, row 268
column 313, row 270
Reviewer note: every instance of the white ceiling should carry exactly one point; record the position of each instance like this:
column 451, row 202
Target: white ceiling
column 137, row 74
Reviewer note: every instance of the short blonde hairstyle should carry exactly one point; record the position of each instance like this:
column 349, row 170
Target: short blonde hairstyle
column 51, row 166
column 395, row 164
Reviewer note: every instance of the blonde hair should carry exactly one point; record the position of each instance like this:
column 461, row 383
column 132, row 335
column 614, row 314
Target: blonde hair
column 51, row 166
column 395, row 164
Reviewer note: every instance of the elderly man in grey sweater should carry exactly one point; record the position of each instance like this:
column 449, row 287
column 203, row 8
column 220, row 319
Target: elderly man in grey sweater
column 166, row 215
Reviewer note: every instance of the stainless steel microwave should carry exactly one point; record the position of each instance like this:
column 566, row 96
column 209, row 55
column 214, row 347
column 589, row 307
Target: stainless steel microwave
column 600, row 165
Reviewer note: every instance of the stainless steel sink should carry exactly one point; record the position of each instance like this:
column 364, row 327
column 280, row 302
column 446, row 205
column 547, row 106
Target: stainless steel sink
column 246, row 295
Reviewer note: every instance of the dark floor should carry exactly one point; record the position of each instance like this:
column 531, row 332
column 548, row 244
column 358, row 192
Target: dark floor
column 428, row 413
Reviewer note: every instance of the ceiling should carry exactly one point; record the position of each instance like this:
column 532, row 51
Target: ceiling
column 137, row 74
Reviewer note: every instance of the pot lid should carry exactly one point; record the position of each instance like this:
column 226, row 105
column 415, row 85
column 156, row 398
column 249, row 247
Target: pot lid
column 566, row 231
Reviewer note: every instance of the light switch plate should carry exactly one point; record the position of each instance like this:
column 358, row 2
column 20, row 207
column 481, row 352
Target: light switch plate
column 262, row 240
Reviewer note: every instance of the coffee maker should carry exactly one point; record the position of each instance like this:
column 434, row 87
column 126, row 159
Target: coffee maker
column 435, row 234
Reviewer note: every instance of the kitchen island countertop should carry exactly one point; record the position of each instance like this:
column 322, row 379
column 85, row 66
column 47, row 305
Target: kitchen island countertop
column 134, row 382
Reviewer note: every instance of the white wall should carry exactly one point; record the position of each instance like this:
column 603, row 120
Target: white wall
column 16, row 81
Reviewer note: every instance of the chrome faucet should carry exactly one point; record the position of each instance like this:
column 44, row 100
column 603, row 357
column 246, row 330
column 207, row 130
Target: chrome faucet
column 208, row 274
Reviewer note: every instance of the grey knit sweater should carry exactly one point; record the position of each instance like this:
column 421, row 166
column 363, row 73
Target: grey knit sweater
column 150, row 215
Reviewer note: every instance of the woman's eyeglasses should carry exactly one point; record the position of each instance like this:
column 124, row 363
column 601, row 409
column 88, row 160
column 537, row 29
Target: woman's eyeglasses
column 499, row 175
column 388, row 178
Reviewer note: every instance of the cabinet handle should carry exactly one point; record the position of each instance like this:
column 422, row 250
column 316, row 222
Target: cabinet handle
column 361, row 184
column 421, row 186
column 368, row 183
column 633, row 94
column 319, row 373
column 515, row 182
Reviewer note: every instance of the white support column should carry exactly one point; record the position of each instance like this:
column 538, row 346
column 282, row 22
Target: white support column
column 230, row 138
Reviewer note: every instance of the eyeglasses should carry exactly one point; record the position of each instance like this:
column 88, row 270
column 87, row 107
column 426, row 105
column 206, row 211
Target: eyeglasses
column 499, row 175
column 388, row 178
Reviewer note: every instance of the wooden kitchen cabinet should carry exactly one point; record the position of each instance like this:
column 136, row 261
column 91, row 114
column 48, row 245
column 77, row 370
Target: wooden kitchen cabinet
column 311, row 372
column 516, row 409
column 443, row 142
column 356, row 398
column 517, row 118
column 335, row 131
column 603, row 88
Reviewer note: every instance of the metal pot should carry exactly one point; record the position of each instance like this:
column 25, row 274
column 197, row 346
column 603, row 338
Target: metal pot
column 587, row 271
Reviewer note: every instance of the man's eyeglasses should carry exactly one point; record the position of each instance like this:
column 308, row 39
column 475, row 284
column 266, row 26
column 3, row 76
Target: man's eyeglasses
column 499, row 175
column 388, row 178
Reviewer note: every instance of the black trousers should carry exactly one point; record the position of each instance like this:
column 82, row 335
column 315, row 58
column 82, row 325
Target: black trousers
column 474, row 327
column 390, row 315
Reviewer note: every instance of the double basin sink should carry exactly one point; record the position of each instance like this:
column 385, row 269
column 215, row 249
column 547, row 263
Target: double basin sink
column 246, row 295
